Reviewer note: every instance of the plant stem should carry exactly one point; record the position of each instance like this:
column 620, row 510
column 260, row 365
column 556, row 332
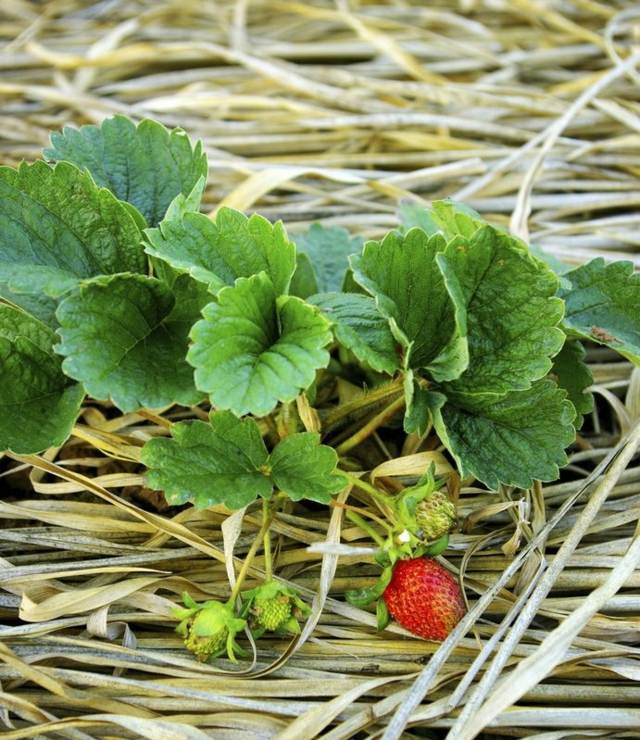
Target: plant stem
column 365, row 526
column 249, row 559
column 369, row 398
column 379, row 496
column 368, row 429
column 268, row 562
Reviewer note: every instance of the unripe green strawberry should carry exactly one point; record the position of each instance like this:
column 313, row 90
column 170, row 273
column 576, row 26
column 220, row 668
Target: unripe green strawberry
column 272, row 613
column 208, row 629
column 424, row 598
column 435, row 516
column 205, row 646
column 274, row 607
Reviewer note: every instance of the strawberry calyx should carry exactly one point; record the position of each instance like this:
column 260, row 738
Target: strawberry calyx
column 209, row 628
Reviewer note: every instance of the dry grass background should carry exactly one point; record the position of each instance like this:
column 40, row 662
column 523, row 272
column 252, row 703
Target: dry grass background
column 528, row 110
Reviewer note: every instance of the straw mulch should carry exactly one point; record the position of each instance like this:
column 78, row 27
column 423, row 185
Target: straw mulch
column 527, row 110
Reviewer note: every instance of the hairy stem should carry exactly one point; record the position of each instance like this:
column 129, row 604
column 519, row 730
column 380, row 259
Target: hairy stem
column 268, row 561
column 249, row 559
column 364, row 526
column 368, row 429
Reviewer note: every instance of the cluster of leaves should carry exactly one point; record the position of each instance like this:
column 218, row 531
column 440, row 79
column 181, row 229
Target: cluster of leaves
column 113, row 284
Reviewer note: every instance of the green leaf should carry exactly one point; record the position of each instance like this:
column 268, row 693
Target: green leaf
column 255, row 348
column 402, row 275
column 208, row 464
column 56, row 228
column 360, row 327
column 560, row 268
column 218, row 251
column 328, row 248
column 571, row 373
column 603, row 305
column 416, row 215
column 226, row 462
column 455, row 219
column 38, row 404
column 145, row 165
column 303, row 468
column 125, row 338
column 39, row 306
column 512, row 312
column 417, row 415
column 511, row 440
column 303, row 282
column 183, row 204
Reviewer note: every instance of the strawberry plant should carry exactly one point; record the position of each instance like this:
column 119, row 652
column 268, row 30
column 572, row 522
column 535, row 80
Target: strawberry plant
column 293, row 351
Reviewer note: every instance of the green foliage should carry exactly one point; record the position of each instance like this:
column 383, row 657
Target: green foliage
column 125, row 338
column 145, row 165
column 513, row 439
column 56, row 228
column 512, row 312
column 327, row 251
column 571, row 373
column 481, row 332
column 603, row 305
column 219, row 251
column 402, row 275
column 254, row 348
column 303, row 468
column 226, row 462
column 38, row 403
column 360, row 327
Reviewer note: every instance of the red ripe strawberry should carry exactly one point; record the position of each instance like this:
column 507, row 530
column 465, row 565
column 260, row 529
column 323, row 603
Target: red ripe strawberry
column 424, row 598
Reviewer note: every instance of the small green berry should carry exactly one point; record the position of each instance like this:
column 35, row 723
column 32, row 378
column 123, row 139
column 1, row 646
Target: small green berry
column 209, row 629
column 435, row 516
column 274, row 607
column 272, row 613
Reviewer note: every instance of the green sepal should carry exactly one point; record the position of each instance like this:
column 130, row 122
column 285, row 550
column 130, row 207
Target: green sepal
column 364, row 596
column 438, row 547
column 382, row 614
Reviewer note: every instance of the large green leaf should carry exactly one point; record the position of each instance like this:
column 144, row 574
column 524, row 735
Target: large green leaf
column 328, row 249
column 146, row 165
column 571, row 373
column 124, row 338
column 38, row 404
column 226, row 462
column 303, row 468
column 511, row 440
column 218, row 251
column 453, row 219
column 208, row 464
column 360, row 327
column 603, row 305
column 512, row 312
column 40, row 306
column 402, row 275
column 57, row 227
column 254, row 348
